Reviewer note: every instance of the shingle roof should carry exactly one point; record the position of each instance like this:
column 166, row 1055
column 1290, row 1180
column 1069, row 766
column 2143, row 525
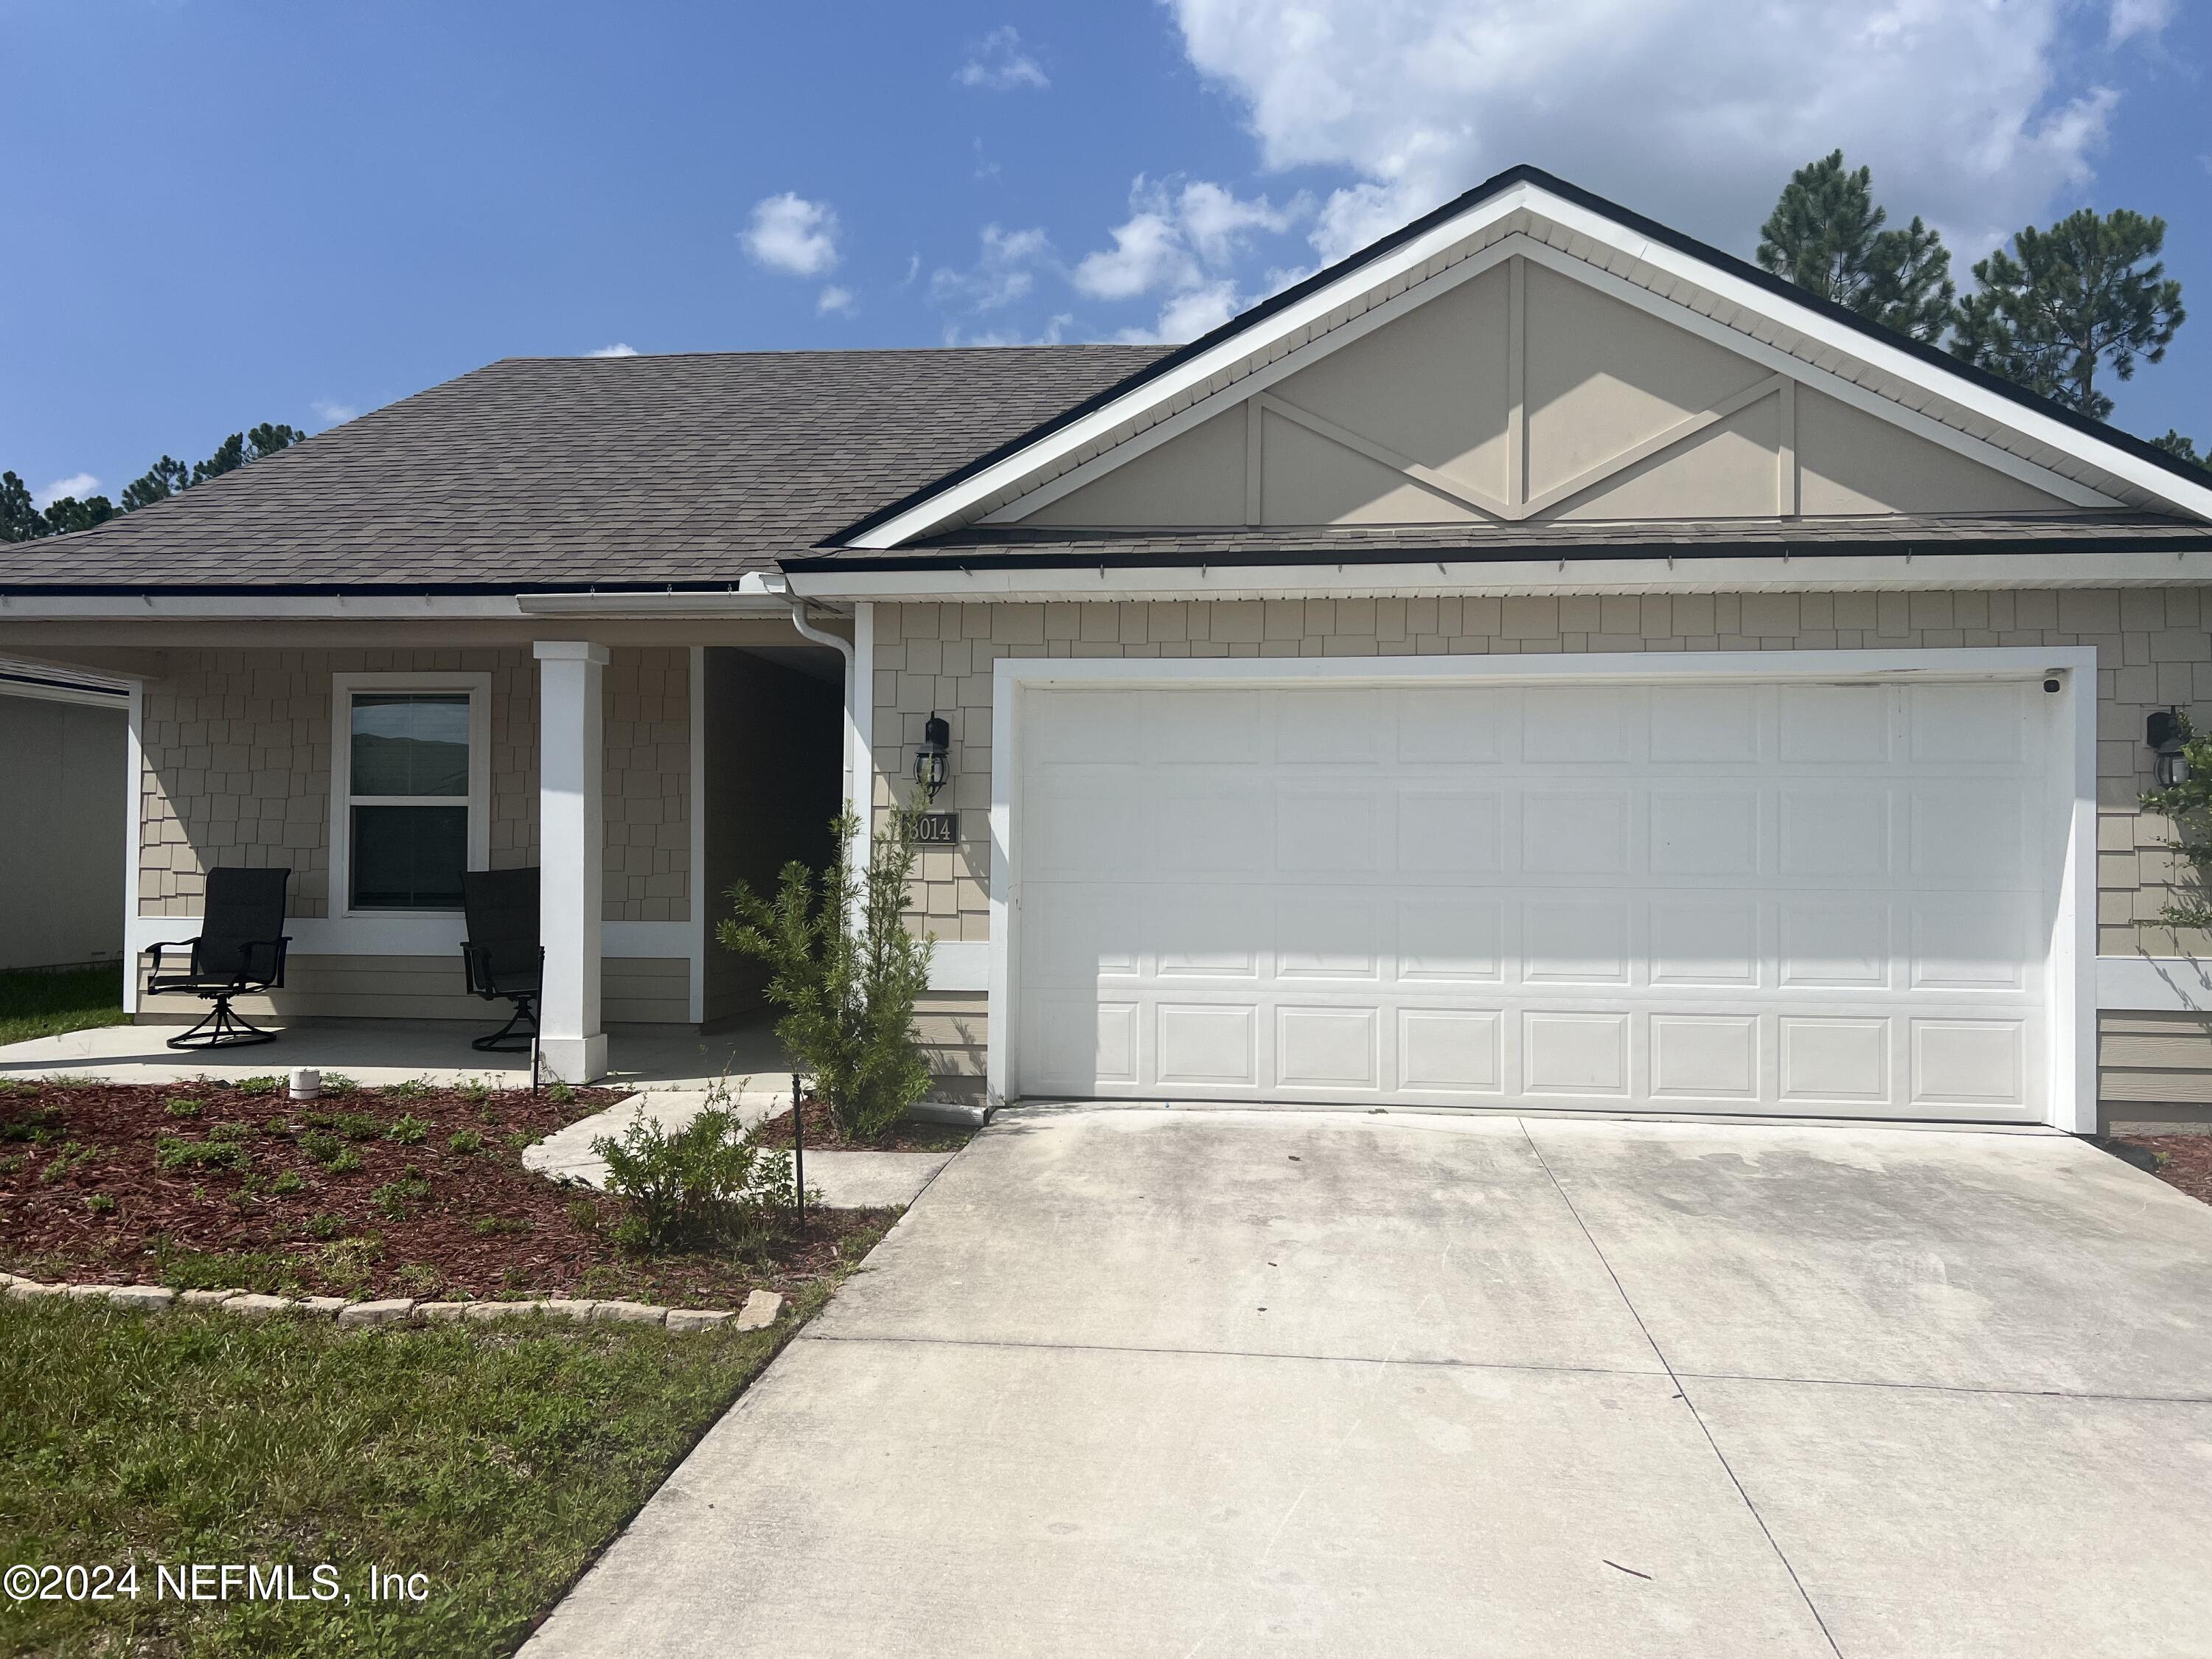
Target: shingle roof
column 572, row 473
column 977, row 547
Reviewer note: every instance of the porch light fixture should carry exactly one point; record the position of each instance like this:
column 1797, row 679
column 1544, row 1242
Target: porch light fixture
column 2165, row 732
column 930, row 769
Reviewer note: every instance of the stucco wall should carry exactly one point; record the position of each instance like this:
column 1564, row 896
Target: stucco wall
column 237, row 771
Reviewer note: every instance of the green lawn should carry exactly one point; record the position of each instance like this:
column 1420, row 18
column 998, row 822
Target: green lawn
column 497, row 1460
column 35, row 1003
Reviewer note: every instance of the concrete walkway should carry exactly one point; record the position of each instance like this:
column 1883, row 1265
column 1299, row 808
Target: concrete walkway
column 1144, row 1382
column 844, row 1180
column 378, row 1052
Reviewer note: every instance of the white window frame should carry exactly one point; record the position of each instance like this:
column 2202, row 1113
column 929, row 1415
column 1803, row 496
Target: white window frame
column 343, row 689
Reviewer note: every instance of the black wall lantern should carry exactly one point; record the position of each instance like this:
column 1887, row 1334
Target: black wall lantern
column 930, row 768
column 2167, row 733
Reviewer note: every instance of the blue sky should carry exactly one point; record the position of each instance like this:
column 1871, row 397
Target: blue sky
column 226, row 211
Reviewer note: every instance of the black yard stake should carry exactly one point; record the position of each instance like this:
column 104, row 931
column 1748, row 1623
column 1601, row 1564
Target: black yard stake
column 799, row 1150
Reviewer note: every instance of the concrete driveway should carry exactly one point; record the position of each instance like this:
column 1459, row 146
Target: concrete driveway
column 1146, row 1382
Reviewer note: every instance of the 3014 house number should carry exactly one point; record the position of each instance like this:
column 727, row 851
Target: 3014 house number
column 937, row 829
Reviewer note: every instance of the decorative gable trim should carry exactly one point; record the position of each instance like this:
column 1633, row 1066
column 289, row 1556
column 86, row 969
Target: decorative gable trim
column 1525, row 214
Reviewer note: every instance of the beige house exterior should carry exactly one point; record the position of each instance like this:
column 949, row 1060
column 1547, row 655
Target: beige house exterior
column 1531, row 454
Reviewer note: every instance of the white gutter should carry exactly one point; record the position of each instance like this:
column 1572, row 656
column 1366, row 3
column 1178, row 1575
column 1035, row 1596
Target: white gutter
column 758, row 593
column 856, row 753
column 2000, row 567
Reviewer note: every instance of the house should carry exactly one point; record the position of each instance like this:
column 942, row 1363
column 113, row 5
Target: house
column 62, row 816
column 1541, row 659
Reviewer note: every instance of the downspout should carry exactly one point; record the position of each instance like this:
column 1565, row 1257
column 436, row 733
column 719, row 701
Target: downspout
column 856, row 769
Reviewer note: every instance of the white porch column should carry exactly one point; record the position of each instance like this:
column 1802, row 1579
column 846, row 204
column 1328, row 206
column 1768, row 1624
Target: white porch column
column 571, row 840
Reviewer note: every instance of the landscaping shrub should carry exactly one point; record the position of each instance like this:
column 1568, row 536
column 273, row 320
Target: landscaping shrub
column 846, row 972
column 707, row 1181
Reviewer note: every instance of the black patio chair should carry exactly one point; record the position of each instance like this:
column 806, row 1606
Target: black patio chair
column 241, row 948
column 503, row 956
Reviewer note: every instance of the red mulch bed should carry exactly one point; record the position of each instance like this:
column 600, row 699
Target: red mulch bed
column 84, row 1195
column 823, row 1135
column 2184, row 1162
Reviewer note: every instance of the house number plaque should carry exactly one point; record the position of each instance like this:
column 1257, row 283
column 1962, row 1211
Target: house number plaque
column 937, row 829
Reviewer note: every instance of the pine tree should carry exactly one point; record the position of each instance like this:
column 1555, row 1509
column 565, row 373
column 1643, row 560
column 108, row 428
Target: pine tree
column 2087, row 292
column 1826, row 235
column 2174, row 444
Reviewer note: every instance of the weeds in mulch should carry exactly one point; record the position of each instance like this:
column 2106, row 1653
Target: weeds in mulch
column 411, row 1191
column 2182, row 1161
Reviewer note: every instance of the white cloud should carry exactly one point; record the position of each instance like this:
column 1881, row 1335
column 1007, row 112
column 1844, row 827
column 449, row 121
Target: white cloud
column 1054, row 331
column 998, row 63
column 79, row 484
column 1189, row 314
column 835, row 299
column 1974, row 114
column 1005, row 270
column 2134, row 17
column 792, row 234
column 333, row 412
column 617, row 349
column 1180, row 239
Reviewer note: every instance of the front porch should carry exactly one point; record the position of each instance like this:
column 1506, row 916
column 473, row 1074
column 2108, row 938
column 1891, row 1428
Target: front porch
column 641, row 765
column 747, row 1058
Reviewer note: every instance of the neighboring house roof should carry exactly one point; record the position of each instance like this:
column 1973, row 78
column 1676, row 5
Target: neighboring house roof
column 986, row 546
column 559, row 472
column 2098, row 463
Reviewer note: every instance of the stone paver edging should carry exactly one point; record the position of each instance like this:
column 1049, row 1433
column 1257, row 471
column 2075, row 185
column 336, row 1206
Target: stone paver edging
column 759, row 1312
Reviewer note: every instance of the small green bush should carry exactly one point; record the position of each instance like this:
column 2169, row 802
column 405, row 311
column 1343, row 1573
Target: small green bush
column 845, row 971
column 475, row 1091
column 101, row 1203
column 323, row 1148
column 230, row 1131
column 259, row 1085
column 408, row 1128
column 175, row 1153
column 561, row 1095
column 468, row 1140
column 72, row 1155
column 326, row 1225
column 356, row 1126
column 290, row 1182
column 709, row 1180
column 493, row 1226
column 412, row 1088
column 338, row 1083
column 178, row 1106
column 345, row 1163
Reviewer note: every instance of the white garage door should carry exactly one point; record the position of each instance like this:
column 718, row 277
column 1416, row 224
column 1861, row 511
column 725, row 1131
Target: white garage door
column 1819, row 899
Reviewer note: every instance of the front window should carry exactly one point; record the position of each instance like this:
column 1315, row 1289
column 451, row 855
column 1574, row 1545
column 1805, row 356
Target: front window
column 410, row 796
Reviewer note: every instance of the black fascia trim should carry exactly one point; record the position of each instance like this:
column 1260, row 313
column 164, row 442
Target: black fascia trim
column 1241, row 558
column 2140, row 448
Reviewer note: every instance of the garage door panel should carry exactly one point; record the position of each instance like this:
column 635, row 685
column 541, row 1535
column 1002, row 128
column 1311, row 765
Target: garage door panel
column 1576, row 725
column 1577, row 833
column 1206, row 1045
column 1332, row 1048
column 1828, row 832
column 1969, row 1062
column 1450, row 832
column 1214, row 931
column 1577, row 941
column 1704, row 1057
column 1830, row 941
column 1449, row 1051
column 1447, row 939
column 1702, row 725
column 1709, row 832
column 1774, row 898
column 1978, row 725
column 1581, row 1054
column 1833, row 725
column 1335, row 936
column 1971, row 835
